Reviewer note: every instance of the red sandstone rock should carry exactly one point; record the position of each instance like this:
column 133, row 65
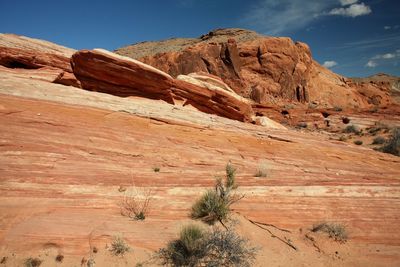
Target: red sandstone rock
column 216, row 101
column 65, row 152
column 32, row 56
column 265, row 69
column 103, row 71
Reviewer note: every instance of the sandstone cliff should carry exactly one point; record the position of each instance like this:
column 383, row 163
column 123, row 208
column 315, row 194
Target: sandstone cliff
column 268, row 70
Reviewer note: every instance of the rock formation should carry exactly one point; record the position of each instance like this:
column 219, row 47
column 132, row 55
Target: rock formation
column 23, row 53
column 65, row 154
column 103, row 71
column 268, row 70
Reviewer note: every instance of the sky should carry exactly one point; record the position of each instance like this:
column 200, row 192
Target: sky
column 355, row 38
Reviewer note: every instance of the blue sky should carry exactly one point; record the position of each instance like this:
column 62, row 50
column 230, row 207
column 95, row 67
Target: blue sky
column 353, row 38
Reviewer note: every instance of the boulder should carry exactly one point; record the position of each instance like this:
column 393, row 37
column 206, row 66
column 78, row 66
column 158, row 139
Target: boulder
column 102, row 71
column 36, row 59
column 214, row 100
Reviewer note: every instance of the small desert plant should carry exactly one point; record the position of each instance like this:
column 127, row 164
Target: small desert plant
column 358, row 142
column 338, row 109
column 196, row 247
column 59, row 258
column 90, row 263
column 302, row 125
column 119, row 246
column 352, row 129
column 393, row 144
column 334, row 230
column 33, row 262
column 188, row 250
column 342, row 138
column 215, row 204
column 378, row 140
column 136, row 204
column 156, row 169
column 262, row 170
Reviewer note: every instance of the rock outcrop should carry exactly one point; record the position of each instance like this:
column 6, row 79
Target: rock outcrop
column 21, row 53
column 103, row 71
column 268, row 70
column 66, row 152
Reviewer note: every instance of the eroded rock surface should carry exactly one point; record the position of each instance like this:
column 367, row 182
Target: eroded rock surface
column 103, row 71
column 268, row 70
column 21, row 54
column 65, row 153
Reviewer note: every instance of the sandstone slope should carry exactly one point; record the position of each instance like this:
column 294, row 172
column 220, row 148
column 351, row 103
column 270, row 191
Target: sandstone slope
column 69, row 156
column 66, row 152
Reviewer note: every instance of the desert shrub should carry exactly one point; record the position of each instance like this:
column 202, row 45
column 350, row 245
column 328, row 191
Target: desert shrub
column 33, row 262
column 377, row 128
column 352, row 129
column 214, row 205
column 302, row 125
column 358, row 142
column 59, row 258
column 136, row 204
column 90, row 263
column 119, row 246
column 342, row 138
column 211, row 207
column 188, row 250
column 378, row 140
column 156, row 169
column 262, row 170
column 345, row 120
column 338, row 109
column 393, row 144
column 197, row 247
column 334, row 230
column 230, row 177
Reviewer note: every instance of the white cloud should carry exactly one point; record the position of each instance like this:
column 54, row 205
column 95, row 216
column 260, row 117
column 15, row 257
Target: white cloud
column 384, row 59
column 385, row 56
column 371, row 64
column 387, row 27
column 388, row 56
column 280, row 16
column 347, row 2
column 329, row 64
column 354, row 10
column 275, row 17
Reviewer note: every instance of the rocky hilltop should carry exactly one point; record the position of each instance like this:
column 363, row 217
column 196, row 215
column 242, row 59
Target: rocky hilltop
column 264, row 69
column 82, row 131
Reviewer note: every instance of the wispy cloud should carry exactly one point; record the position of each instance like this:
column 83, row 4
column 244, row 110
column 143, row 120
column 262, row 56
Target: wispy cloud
column 330, row 64
column 371, row 64
column 347, row 2
column 383, row 59
column 394, row 27
column 282, row 16
column 388, row 40
column 279, row 16
column 353, row 10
